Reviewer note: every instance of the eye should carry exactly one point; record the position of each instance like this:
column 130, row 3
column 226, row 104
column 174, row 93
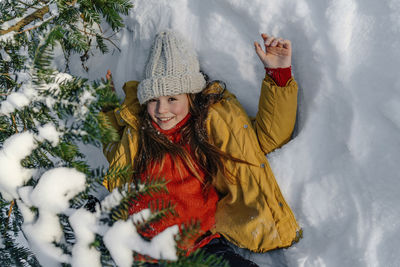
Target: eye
column 172, row 99
column 152, row 100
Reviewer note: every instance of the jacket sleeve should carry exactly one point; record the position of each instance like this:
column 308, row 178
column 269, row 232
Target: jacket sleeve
column 125, row 121
column 276, row 116
column 109, row 148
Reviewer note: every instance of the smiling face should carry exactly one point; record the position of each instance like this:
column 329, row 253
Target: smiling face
column 168, row 111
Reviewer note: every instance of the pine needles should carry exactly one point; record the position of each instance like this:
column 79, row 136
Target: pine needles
column 61, row 112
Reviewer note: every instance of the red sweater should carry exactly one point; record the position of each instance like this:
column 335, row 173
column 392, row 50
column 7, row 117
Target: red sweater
column 185, row 191
column 280, row 75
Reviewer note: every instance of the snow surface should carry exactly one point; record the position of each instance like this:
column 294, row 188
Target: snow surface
column 340, row 172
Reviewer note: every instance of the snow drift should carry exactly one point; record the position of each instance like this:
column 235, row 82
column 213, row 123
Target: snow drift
column 339, row 173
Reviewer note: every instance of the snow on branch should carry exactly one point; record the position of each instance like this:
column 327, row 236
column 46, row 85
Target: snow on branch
column 51, row 197
column 123, row 237
column 30, row 21
column 12, row 174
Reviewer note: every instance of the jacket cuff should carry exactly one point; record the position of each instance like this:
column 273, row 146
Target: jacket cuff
column 280, row 75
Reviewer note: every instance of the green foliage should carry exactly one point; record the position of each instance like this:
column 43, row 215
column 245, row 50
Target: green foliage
column 188, row 231
column 197, row 259
column 11, row 253
column 35, row 29
column 132, row 193
column 116, row 172
column 32, row 33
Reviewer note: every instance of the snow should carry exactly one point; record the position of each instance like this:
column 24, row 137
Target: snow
column 27, row 93
column 339, row 173
column 51, row 196
column 122, row 238
column 50, row 133
column 5, row 56
column 12, row 174
column 56, row 187
column 17, row 100
column 53, row 12
column 83, row 223
column 111, row 200
column 16, row 148
column 63, row 77
column 41, row 234
column 87, row 97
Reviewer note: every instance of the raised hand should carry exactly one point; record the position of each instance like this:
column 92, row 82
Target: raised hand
column 109, row 80
column 277, row 54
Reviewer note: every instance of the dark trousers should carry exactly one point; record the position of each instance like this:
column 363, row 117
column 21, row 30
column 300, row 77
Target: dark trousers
column 221, row 248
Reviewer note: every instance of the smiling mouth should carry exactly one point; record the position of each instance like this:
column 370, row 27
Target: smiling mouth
column 164, row 120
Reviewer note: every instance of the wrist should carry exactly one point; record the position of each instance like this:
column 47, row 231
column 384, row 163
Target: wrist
column 280, row 75
column 276, row 65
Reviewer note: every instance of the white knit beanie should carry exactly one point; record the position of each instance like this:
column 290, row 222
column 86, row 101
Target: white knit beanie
column 172, row 69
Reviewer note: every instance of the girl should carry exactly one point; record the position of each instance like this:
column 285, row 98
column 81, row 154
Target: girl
column 195, row 134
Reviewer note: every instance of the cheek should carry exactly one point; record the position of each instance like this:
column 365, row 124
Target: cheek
column 151, row 109
column 182, row 110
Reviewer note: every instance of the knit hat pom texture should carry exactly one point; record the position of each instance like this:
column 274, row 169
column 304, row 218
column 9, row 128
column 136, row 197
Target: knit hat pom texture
column 172, row 69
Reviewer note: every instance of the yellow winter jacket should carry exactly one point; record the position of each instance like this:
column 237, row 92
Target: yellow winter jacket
column 252, row 212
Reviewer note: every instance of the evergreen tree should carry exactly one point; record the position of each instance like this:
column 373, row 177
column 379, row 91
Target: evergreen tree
column 45, row 181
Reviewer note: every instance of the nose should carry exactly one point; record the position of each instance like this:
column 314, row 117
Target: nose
column 162, row 107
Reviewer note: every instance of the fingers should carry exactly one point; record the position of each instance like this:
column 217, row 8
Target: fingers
column 109, row 80
column 268, row 40
column 277, row 42
column 271, row 41
column 264, row 36
column 108, row 75
column 257, row 46
column 287, row 44
column 259, row 49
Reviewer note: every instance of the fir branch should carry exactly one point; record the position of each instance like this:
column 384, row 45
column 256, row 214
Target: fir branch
column 15, row 255
column 108, row 134
column 7, row 76
column 98, row 36
column 118, row 172
column 154, row 185
column 27, row 5
column 133, row 193
column 36, row 26
column 160, row 210
column 43, row 54
column 81, row 166
column 67, row 151
column 14, row 123
column 198, row 259
column 67, row 229
column 9, row 211
column 105, row 257
column 188, row 231
column 110, row 10
column 38, row 14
